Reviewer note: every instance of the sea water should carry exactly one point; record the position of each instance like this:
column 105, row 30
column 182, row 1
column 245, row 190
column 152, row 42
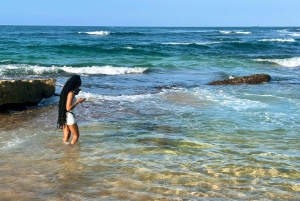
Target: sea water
column 152, row 128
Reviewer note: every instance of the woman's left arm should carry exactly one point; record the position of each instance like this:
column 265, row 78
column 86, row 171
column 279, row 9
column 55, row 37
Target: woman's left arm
column 69, row 105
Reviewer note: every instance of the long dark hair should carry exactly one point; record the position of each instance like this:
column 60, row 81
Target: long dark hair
column 71, row 84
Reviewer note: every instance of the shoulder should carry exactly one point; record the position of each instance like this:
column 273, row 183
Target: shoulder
column 71, row 94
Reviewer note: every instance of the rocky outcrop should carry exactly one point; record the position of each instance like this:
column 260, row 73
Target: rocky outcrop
column 253, row 79
column 16, row 94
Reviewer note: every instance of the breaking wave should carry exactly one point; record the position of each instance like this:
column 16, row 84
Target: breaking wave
column 291, row 62
column 105, row 70
column 93, row 70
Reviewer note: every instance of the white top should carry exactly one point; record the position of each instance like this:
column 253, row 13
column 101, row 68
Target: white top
column 73, row 102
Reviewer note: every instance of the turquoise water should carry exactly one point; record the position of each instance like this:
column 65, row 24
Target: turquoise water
column 152, row 128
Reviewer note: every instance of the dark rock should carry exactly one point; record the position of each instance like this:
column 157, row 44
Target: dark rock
column 253, row 79
column 18, row 94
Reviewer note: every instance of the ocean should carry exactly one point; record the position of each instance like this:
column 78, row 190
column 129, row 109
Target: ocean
column 152, row 127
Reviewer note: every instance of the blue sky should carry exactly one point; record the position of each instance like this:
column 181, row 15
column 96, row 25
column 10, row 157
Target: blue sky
column 200, row 13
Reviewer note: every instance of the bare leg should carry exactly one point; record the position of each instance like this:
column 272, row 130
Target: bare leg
column 75, row 133
column 67, row 133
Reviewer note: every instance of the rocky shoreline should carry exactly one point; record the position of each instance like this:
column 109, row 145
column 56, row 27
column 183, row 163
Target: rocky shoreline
column 19, row 94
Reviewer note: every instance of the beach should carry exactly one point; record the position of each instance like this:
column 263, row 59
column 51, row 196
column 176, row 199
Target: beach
column 152, row 128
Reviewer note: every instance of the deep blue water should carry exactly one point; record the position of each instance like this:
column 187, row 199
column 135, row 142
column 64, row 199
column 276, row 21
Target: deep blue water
column 152, row 128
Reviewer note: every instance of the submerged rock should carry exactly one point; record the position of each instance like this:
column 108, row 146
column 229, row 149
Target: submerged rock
column 253, row 79
column 17, row 94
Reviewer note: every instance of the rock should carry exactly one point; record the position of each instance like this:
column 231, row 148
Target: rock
column 17, row 94
column 253, row 79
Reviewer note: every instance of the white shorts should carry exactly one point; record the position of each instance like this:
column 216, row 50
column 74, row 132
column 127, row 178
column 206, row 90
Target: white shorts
column 70, row 118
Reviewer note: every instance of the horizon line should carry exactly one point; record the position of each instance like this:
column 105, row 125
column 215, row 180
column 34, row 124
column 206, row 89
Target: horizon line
column 252, row 26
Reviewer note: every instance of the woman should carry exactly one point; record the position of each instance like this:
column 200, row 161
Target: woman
column 67, row 102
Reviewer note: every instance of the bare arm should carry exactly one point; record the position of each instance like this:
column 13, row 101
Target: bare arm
column 69, row 105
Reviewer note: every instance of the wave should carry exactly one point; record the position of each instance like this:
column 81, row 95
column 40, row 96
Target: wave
column 106, row 33
column 23, row 69
column 287, row 32
column 5, row 61
column 177, row 43
column 128, row 98
column 229, row 44
column 243, row 32
column 283, row 31
column 104, row 70
column 291, row 40
column 295, row 34
column 186, row 43
column 197, row 96
column 291, row 62
column 191, row 31
column 99, row 33
column 128, row 34
column 93, row 70
column 235, row 32
column 128, row 48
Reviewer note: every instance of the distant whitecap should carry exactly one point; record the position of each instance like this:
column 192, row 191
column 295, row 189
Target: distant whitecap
column 100, row 33
column 291, row 40
column 235, row 32
column 128, row 48
column 177, row 43
column 295, row 34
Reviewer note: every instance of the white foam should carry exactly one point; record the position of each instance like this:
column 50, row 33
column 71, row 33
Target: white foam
column 291, row 40
column 235, row 32
column 39, row 70
column 283, row 31
column 28, row 69
column 291, row 62
column 128, row 48
column 100, row 33
column 225, row 32
column 93, row 70
column 287, row 32
column 231, row 101
column 105, row 70
column 12, row 67
column 243, row 32
column 207, row 43
column 128, row 98
column 295, row 34
column 13, row 142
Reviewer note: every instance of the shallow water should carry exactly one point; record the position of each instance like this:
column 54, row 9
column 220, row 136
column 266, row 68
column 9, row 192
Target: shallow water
column 152, row 128
column 166, row 149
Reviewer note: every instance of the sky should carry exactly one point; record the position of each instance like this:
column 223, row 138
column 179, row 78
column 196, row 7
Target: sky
column 167, row 13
